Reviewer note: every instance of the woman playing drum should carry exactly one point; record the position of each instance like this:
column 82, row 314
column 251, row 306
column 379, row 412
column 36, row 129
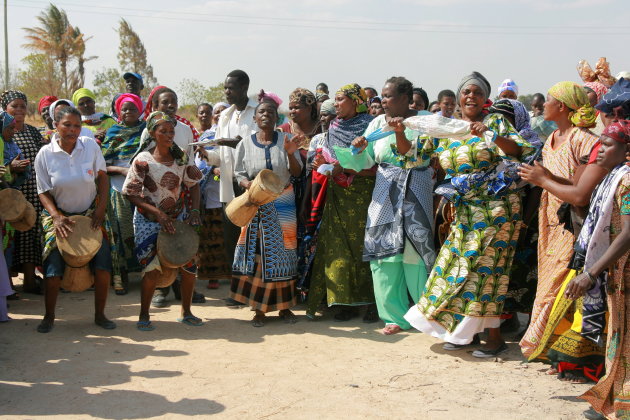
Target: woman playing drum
column 72, row 179
column 265, row 260
column 154, row 184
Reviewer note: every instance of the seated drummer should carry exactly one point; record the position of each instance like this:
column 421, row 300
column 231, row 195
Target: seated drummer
column 154, row 185
column 72, row 179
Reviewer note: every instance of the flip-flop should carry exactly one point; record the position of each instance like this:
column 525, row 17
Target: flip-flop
column 45, row 327
column 258, row 321
column 191, row 320
column 289, row 317
column 485, row 354
column 145, row 326
column 391, row 329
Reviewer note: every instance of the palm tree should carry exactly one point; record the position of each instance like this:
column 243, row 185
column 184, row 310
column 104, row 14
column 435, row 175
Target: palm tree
column 77, row 42
column 52, row 38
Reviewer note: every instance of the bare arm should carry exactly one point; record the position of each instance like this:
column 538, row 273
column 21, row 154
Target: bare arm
column 63, row 225
column 147, row 208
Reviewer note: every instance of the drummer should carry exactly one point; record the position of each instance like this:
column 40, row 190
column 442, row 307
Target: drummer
column 265, row 274
column 72, row 179
column 154, row 184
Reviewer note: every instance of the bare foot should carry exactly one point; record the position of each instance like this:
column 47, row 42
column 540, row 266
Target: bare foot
column 391, row 329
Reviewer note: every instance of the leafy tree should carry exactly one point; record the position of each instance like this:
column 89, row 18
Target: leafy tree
column 40, row 75
column 192, row 92
column 77, row 50
column 107, row 83
column 132, row 56
column 526, row 100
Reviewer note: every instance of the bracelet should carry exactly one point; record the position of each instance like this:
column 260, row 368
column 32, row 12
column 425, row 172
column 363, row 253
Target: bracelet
column 591, row 278
column 197, row 210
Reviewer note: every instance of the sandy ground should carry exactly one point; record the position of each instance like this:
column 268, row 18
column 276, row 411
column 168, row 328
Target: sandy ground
column 227, row 368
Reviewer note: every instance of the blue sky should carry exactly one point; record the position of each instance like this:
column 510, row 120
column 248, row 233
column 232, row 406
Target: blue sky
column 283, row 44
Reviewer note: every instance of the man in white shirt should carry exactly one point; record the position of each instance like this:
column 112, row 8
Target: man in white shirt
column 235, row 122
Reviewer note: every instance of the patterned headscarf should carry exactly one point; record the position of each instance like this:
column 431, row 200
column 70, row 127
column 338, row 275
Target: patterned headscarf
column 618, row 95
column 573, row 95
column 508, row 84
column 156, row 118
column 477, row 79
column 127, row 97
column 328, row 107
column 517, row 110
column 7, row 119
column 45, row 101
column 9, row 96
column 599, row 88
column 82, row 93
column 618, row 131
column 307, row 98
column 357, row 94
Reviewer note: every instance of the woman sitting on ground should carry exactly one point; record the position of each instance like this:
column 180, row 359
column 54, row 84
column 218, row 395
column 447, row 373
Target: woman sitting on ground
column 154, row 185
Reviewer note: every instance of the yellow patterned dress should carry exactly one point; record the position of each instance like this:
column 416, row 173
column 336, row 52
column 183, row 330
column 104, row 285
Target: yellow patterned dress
column 466, row 289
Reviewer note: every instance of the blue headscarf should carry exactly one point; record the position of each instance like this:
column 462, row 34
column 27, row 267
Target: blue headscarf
column 7, row 119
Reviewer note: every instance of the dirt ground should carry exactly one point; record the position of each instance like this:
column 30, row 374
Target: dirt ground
column 227, row 368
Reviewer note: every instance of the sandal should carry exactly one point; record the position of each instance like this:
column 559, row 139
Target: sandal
column 591, row 414
column 119, row 287
column 145, row 326
column 198, row 298
column 45, row 326
column 485, row 354
column 258, row 321
column 105, row 324
column 191, row 320
column 452, row 347
column 391, row 329
column 288, row 316
column 213, row 284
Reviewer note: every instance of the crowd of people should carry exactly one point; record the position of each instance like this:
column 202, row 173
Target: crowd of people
column 382, row 213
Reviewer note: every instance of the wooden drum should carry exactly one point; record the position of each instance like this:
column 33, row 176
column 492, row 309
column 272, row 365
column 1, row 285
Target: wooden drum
column 265, row 188
column 77, row 250
column 176, row 250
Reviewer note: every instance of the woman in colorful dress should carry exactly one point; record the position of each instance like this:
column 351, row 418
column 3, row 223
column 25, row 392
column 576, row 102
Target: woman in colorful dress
column 121, row 143
column 154, row 185
column 601, row 255
column 339, row 273
column 566, row 148
column 97, row 122
column 27, row 253
column 466, row 289
column 399, row 233
column 72, row 179
column 265, row 260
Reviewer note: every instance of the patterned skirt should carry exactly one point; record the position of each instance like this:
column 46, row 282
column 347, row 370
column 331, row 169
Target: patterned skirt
column 265, row 297
column 120, row 213
column 212, row 260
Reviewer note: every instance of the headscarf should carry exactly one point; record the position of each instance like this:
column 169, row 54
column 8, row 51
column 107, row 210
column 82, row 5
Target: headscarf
column 269, row 97
column 618, row 131
column 51, row 109
column 149, row 108
column 599, row 88
column 477, row 79
column 515, row 109
column 9, row 96
column 45, row 101
column 223, row 104
column 508, row 84
column 127, row 97
column 6, row 118
column 156, row 118
column 307, row 98
column 357, row 94
column 618, row 95
column 375, row 99
column 573, row 95
column 82, row 93
column 328, row 107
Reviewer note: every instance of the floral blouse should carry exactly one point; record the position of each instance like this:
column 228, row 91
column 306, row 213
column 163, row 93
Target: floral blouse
column 160, row 184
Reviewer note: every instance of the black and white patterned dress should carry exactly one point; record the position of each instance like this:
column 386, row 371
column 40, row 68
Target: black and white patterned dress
column 28, row 248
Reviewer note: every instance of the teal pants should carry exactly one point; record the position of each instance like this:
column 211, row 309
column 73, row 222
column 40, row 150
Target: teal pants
column 392, row 282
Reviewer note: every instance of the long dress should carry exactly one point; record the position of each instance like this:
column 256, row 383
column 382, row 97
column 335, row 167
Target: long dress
column 119, row 146
column 555, row 243
column 466, row 289
column 401, row 212
column 265, row 259
column 339, row 272
column 611, row 395
column 28, row 248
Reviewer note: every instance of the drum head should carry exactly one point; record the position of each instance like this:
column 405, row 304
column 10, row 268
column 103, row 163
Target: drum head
column 82, row 244
column 175, row 250
column 271, row 182
column 28, row 219
column 12, row 204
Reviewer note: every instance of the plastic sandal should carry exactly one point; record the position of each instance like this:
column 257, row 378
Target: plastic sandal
column 145, row 326
column 191, row 320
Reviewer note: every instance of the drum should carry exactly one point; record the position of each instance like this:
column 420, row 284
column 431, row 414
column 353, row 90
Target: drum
column 82, row 244
column 265, row 188
column 28, row 219
column 167, row 277
column 176, row 250
column 77, row 279
column 12, row 204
